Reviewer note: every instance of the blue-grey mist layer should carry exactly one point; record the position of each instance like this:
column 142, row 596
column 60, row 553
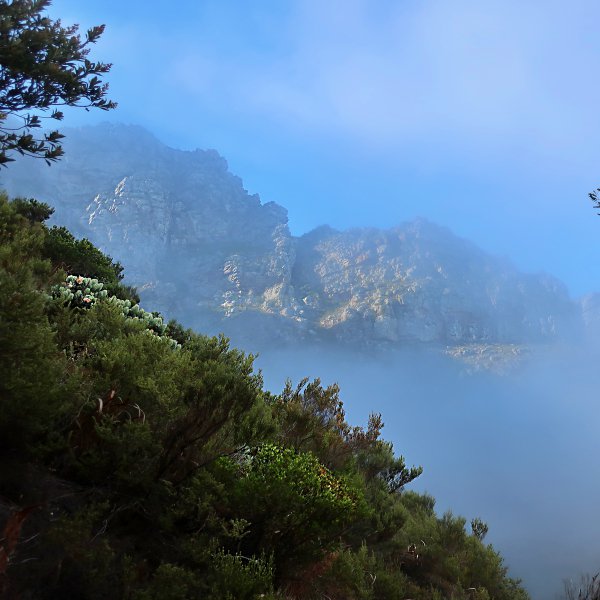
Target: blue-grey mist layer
column 507, row 432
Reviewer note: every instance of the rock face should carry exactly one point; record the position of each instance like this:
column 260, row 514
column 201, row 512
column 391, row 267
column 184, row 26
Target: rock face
column 204, row 251
column 419, row 282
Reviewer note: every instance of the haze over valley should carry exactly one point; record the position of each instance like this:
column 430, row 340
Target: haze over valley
column 304, row 305
column 484, row 374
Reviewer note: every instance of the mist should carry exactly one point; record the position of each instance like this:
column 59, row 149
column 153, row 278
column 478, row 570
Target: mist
column 518, row 450
column 482, row 118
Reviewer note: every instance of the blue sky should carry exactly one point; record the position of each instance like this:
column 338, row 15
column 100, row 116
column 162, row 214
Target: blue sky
column 481, row 116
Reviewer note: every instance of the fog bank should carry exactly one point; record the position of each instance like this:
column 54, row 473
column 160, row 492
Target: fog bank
column 518, row 450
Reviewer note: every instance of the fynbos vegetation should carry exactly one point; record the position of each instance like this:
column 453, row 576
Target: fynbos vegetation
column 141, row 460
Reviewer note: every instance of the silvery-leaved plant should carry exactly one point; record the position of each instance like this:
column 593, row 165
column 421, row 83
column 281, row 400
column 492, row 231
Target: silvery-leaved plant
column 81, row 293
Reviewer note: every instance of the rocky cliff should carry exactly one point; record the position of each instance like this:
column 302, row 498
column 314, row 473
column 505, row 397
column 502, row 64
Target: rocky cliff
column 419, row 282
column 204, row 251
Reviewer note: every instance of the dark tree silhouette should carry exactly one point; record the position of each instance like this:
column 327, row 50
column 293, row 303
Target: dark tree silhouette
column 595, row 198
column 587, row 589
column 43, row 66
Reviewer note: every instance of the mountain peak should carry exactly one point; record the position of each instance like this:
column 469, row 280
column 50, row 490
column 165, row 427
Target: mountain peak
column 202, row 250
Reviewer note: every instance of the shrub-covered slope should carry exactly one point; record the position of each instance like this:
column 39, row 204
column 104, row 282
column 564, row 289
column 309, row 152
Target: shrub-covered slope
column 140, row 460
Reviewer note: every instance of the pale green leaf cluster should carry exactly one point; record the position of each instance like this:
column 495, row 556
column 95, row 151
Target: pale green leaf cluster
column 79, row 292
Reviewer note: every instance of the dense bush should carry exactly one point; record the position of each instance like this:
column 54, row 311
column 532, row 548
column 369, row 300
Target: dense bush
column 140, row 460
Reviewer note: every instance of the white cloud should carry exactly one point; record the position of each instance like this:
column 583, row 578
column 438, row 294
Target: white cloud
column 495, row 76
column 382, row 72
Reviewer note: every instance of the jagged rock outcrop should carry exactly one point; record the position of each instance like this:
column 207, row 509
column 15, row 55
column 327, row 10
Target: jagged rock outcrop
column 202, row 250
column 197, row 245
column 419, row 282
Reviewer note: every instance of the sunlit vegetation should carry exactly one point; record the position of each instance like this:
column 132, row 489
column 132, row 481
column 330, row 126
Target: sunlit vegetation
column 141, row 460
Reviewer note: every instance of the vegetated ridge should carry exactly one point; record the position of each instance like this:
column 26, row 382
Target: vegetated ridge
column 143, row 461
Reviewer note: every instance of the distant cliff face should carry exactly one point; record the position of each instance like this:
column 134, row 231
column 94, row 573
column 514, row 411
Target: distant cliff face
column 191, row 238
column 204, row 251
column 419, row 282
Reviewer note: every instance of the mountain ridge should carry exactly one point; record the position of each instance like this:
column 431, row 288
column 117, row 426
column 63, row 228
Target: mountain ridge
column 203, row 250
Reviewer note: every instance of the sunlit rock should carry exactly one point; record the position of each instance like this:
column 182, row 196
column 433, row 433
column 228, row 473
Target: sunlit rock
column 202, row 250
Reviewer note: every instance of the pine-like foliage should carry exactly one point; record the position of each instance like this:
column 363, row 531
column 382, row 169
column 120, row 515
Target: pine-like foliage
column 43, row 66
